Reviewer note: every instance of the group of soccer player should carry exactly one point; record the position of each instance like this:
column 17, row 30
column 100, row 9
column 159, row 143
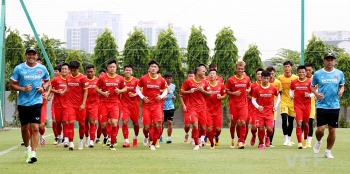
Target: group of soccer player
column 98, row 104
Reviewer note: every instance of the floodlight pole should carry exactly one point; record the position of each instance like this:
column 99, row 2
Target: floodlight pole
column 38, row 39
column 302, row 32
column 2, row 64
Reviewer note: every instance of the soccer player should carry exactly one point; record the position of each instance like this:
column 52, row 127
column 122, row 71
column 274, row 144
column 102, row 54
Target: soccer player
column 57, row 72
column 263, row 100
column 27, row 78
column 77, row 86
column 252, row 111
column 214, row 108
column 196, row 90
column 330, row 82
column 151, row 85
column 130, row 106
column 184, row 103
column 275, row 82
column 236, row 87
column 92, row 103
column 287, row 108
column 218, row 78
column 59, row 103
column 300, row 93
column 99, row 129
column 169, row 107
column 309, row 71
column 110, row 86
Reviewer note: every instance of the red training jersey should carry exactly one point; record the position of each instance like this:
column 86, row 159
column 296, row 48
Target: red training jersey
column 300, row 87
column 234, row 84
column 214, row 106
column 93, row 97
column 265, row 97
column 76, row 86
column 151, row 88
column 196, row 100
column 108, row 83
column 127, row 101
column 57, row 83
column 251, row 108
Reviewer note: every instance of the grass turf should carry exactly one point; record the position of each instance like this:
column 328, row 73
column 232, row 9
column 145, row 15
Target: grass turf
column 177, row 157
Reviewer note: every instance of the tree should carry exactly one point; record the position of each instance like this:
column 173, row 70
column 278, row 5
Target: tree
column 136, row 52
column 86, row 58
column 61, row 55
column 49, row 49
column 283, row 55
column 14, row 51
column 343, row 65
column 105, row 49
column 28, row 40
column 197, row 48
column 74, row 55
column 315, row 51
column 253, row 61
column 167, row 53
column 225, row 52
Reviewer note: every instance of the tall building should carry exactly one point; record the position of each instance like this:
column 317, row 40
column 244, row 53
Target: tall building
column 336, row 38
column 152, row 30
column 83, row 27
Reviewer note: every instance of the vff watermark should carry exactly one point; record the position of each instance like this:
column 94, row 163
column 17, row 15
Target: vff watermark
column 304, row 159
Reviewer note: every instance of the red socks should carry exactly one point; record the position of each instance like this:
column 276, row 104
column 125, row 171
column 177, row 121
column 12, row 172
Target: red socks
column 125, row 131
column 136, row 129
column 92, row 131
column 54, row 129
column 261, row 135
column 299, row 134
column 114, row 134
column 195, row 135
column 187, row 129
column 242, row 133
column 306, row 131
column 232, row 132
column 145, row 132
column 81, row 130
column 70, row 132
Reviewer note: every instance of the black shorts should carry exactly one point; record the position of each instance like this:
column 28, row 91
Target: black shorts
column 169, row 115
column 327, row 116
column 29, row 114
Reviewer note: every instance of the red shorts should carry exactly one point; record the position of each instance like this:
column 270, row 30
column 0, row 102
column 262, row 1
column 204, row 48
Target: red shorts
column 302, row 113
column 251, row 120
column 75, row 114
column 265, row 121
column 43, row 112
column 186, row 117
column 198, row 117
column 60, row 113
column 150, row 115
column 214, row 120
column 132, row 113
column 92, row 112
column 239, row 113
column 108, row 110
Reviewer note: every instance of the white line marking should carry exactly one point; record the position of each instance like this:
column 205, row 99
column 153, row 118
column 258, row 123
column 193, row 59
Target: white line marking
column 15, row 147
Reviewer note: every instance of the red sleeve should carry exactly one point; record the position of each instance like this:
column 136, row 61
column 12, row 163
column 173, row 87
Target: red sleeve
column 255, row 95
column 185, row 86
column 140, row 82
column 228, row 85
column 164, row 84
column 54, row 82
column 99, row 82
column 122, row 83
column 248, row 83
column 85, row 83
column 292, row 85
column 222, row 92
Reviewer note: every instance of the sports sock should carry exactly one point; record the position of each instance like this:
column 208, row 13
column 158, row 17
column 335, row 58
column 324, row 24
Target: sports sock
column 195, row 134
column 309, row 139
column 145, row 132
column 81, row 130
column 261, row 135
column 92, row 131
column 232, row 132
column 99, row 131
column 114, row 133
column 242, row 132
column 125, row 131
column 87, row 129
column 42, row 131
column 187, row 129
column 54, row 129
column 306, row 131
column 70, row 131
column 136, row 129
column 217, row 132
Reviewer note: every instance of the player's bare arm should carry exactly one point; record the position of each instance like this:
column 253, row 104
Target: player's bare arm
column 99, row 91
column 82, row 106
column 318, row 95
column 341, row 90
column 15, row 87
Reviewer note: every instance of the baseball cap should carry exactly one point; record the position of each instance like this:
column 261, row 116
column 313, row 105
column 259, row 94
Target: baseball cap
column 31, row 49
column 329, row 55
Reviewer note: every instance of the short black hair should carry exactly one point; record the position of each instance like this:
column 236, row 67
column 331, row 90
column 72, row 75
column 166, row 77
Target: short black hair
column 202, row 64
column 213, row 66
column 287, row 63
column 301, row 67
column 64, row 64
column 39, row 58
column 58, row 68
column 307, row 64
column 270, row 69
column 111, row 61
column 102, row 70
column 259, row 69
column 74, row 64
column 190, row 72
column 265, row 73
column 168, row 74
column 151, row 62
column 88, row 66
column 128, row 66
column 212, row 69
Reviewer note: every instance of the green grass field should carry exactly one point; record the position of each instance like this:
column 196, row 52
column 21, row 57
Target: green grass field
column 177, row 157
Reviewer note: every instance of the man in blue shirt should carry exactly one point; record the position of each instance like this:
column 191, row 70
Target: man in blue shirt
column 27, row 78
column 328, row 87
column 169, row 107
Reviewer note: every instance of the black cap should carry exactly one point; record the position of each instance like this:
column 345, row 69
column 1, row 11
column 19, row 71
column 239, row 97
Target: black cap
column 31, row 49
column 329, row 55
column 168, row 74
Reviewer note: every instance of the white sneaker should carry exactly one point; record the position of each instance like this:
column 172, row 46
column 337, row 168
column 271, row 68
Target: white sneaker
column 285, row 143
column 59, row 141
column 145, row 142
column 200, row 142
column 192, row 142
column 196, row 147
column 80, row 144
column 71, row 146
column 317, row 146
column 289, row 143
column 42, row 140
column 91, row 144
column 328, row 155
column 153, row 147
column 87, row 142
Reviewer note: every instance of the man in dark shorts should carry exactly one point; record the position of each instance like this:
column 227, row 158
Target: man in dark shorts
column 27, row 78
column 169, row 107
column 330, row 83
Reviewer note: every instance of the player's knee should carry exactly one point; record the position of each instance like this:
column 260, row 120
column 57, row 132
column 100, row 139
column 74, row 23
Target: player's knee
column 170, row 123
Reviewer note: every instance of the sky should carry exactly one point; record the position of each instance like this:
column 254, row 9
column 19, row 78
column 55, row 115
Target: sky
column 270, row 24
